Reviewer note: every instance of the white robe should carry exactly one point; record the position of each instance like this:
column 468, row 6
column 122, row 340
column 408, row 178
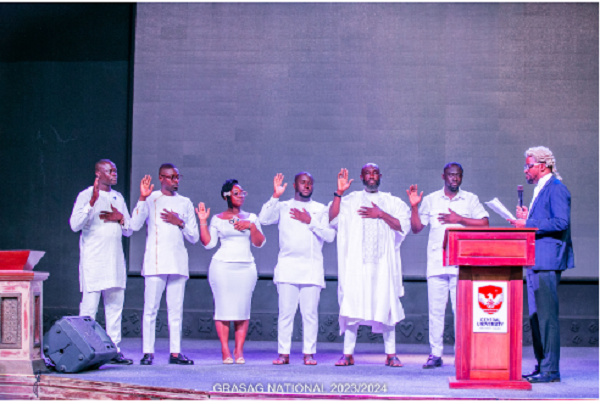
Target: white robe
column 369, row 292
column 101, row 259
column 165, row 249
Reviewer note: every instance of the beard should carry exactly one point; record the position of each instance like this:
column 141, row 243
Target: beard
column 372, row 187
column 454, row 188
column 305, row 196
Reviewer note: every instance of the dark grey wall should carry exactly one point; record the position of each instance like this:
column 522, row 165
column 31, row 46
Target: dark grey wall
column 64, row 80
column 248, row 90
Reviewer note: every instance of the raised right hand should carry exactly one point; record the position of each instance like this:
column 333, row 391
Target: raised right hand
column 203, row 213
column 95, row 191
column 413, row 195
column 342, row 183
column 278, row 189
column 146, row 187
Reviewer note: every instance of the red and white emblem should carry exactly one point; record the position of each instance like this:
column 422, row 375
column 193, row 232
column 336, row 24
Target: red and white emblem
column 490, row 298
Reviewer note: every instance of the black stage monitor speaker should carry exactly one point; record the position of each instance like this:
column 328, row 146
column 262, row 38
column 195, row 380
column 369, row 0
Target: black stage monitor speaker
column 75, row 343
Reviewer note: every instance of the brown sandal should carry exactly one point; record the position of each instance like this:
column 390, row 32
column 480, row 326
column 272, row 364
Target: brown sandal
column 393, row 361
column 282, row 360
column 309, row 360
column 345, row 360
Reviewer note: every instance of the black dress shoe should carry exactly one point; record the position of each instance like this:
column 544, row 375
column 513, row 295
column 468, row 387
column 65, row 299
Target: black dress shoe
column 535, row 372
column 433, row 362
column 147, row 359
column 120, row 360
column 545, row 377
column 180, row 360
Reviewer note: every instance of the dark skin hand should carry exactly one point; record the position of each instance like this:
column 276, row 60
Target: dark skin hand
column 448, row 218
column 113, row 216
column 343, row 185
column 370, row 212
column 95, row 191
column 522, row 213
column 169, row 216
column 376, row 213
column 256, row 237
column 242, row 225
column 453, row 217
column 415, row 198
column 301, row 215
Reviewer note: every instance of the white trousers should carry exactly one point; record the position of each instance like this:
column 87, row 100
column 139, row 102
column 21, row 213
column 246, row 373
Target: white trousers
column 113, row 310
column 154, row 287
column 308, row 298
column 389, row 340
column 437, row 296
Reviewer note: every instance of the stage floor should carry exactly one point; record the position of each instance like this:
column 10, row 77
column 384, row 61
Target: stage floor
column 368, row 377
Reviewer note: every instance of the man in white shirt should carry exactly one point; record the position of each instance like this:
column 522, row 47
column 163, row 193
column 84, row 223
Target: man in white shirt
column 299, row 275
column 371, row 226
column 448, row 207
column 165, row 260
column 100, row 213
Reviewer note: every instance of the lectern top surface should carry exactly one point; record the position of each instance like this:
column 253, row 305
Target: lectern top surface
column 491, row 229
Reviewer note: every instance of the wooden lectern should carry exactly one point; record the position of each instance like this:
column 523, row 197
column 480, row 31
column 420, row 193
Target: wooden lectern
column 21, row 294
column 489, row 337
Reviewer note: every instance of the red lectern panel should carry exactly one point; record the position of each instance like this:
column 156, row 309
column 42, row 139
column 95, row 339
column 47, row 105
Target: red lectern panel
column 489, row 257
column 13, row 260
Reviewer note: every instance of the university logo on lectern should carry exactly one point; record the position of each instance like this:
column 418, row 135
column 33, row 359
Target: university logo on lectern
column 490, row 298
column 490, row 301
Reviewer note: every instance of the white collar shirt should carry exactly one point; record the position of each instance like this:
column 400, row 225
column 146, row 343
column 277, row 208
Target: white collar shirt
column 300, row 259
column 538, row 187
column 101, row 262
column 165, row 249
column 465, row 204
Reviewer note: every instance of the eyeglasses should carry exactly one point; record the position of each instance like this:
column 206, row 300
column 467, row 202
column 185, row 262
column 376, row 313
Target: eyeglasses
column 172, row 177
column 527, row 167
column 454, row 175
column 242, row 194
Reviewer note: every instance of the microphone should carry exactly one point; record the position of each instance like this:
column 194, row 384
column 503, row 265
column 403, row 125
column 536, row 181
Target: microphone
column 520, row 194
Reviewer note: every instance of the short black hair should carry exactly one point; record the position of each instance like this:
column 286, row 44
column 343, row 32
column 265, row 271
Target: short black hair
column 227, row 187
column 372, row 165
column 166, row 166
column 303, row 173
column 454, row 163
column 101, row 163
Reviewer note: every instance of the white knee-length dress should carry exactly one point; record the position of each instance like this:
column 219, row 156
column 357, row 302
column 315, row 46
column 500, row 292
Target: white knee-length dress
column 232, row 273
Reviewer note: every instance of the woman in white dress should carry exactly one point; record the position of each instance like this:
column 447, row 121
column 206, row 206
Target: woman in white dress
column 232, row 272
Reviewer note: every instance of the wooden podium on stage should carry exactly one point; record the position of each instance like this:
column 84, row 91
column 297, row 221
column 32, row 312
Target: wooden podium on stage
column 489, row 304
column 21, row 305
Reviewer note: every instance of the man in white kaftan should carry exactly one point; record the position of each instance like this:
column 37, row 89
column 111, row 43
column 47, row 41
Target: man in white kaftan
column 299, row 274
column 371, row 226
column 101, row 215
column 448, row 207
column 170, row 217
